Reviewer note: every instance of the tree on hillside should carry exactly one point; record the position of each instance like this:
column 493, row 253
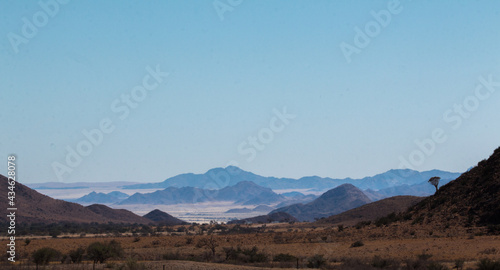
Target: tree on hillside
column 435, row 181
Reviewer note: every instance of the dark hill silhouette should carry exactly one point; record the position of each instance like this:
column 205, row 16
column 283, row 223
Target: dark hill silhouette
column 334, row 201
column 163, row 218
column 34, row 207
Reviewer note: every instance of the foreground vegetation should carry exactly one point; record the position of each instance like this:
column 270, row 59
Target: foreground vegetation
column 379, row 245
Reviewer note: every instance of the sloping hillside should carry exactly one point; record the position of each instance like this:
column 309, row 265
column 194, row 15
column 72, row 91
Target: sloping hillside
column 117, row 214
column 269, row 218
column 35, row 207
column 472, row 199
column 374, row 210
column 334, row 201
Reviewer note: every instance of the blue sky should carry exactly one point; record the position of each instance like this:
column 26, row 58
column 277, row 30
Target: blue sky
column 228, row 74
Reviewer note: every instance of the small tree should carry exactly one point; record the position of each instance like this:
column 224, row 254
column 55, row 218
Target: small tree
column 44, row 256
column 100, row 252
column 76, row 255
column 209, row 243
column 435, row 182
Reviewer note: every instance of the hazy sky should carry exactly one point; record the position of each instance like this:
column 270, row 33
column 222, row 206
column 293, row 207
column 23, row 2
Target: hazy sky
column 360, row 82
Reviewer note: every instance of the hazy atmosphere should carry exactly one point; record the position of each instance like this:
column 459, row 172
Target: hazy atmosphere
column 278, row 88
column 250, row 134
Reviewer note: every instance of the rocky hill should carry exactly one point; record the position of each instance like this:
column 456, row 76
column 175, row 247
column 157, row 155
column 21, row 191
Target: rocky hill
column 472, row 199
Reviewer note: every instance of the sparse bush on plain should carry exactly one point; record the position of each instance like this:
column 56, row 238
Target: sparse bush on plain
column 100, row 252
column 44, row 255
column 245, row 255
column 436, row 266
column 459, row 264
column 76, row 255
column 316, row 261
column 282, row 257
column 487, row 264
column 424, row 256
column 357, row 244
column 170, row 256
column 378, row 262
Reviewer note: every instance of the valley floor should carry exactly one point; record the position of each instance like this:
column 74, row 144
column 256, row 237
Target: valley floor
column 398, row 245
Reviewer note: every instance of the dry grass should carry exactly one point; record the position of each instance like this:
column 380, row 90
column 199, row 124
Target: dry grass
column 397, row 242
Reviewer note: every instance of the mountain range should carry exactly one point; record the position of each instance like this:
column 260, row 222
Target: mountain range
column 244, row 192
column 99, row 197
column 219, row 178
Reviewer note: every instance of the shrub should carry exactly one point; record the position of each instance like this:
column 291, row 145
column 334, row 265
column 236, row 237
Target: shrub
column 316, row 261
column 392, row 217
column 340, row 227
column 132, row 264
column 45, row 255
column 357, row 244
column 100, row 252
column 459, row 263
column 378, row 262
column 424, row 256
column 436, row 266
column 171, row 256
column 282, row 257
column 248, row 255
column 487, row 264
column 76, row 255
